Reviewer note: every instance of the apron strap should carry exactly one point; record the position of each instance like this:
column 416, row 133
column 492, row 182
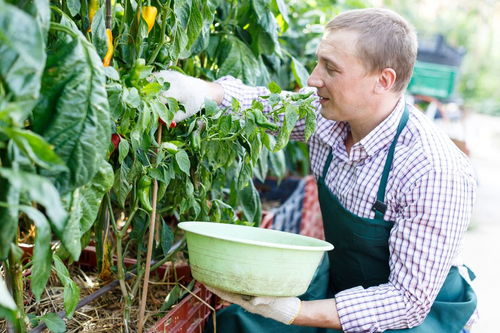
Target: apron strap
column 327, row 163
column 379, row 206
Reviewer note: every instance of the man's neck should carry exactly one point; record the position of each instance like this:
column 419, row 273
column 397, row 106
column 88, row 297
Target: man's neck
column 362, row 127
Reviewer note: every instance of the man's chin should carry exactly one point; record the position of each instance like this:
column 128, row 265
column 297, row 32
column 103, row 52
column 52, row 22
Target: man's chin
column 327, row 113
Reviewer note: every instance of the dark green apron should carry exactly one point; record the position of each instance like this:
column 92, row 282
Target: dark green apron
column 360, row 258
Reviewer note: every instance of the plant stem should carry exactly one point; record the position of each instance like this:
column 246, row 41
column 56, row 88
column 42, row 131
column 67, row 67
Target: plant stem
column 121, row 277
column 119, row 250
column 122, row 23
column 162, row 35
column 60, row 27
column 111, row 214
column 123, row 230
column 152, row 229
column 15, row 280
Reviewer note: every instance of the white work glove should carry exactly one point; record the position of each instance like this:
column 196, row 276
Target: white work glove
column 189, row 91
column 282, row 309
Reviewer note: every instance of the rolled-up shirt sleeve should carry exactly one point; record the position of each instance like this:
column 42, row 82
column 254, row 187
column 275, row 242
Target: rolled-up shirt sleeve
column 435, row 212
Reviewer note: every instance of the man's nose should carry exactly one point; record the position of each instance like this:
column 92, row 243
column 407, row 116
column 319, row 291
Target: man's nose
column 314, row 79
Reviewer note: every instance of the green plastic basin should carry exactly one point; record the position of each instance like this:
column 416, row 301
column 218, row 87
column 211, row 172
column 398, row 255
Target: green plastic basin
column 250, row 260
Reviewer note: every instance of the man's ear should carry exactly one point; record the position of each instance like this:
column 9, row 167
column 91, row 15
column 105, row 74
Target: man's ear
column 385, row 80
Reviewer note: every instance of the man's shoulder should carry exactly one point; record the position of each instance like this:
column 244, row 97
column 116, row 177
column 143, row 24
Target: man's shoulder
column 424, row 148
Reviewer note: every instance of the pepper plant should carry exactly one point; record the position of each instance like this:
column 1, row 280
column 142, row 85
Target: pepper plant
column 88, row 149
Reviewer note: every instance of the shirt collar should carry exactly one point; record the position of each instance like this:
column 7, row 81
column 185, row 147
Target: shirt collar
column 334, row 133
column 382, row 135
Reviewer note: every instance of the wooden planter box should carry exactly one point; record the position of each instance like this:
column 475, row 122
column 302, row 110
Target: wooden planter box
column 189, row 315
column 299, row 212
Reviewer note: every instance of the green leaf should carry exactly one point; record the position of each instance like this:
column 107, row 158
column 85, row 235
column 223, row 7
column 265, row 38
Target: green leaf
column 208, row 12
column 35, row 147
column 245, row 175
column 299, row 72
column 123, row 149
column 194, row 27
column 239, row 61
column 162, row 112
column 23, row 55
column 167, row 238
column 181, row 14
column 72, row 233
column 278, row 163
column 262, row 167
column 182, row 159
column 111, row 73
column 74, row 7
column 73, row 113
column 151, row 89
column 99, row 38
column 122, row 186
column 40, row 9
column 91, row 195
column 6, row 300
column 249, row 200
column 172, row 298
column 115, row 94
column 173, row 105
column 53, row 322
column 291, row 117
column 189, row 288
column 211, row 107
column 265, row 28
column 42, row 191
column 235, row 105
column 8, row 308
column 131, row 97
column 225, row 124
column 42, row 255
column 8, row 215
column 310, row 123
column 274, row 87
column 71, row 289
column 283, row 9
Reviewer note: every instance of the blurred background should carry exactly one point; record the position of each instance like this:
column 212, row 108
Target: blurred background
column 456, row 83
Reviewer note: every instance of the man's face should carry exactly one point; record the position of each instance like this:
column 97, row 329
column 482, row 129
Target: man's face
column 344, row 87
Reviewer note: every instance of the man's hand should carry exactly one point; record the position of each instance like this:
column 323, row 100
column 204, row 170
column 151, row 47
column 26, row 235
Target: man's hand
column 282, row 309
column 189, row 91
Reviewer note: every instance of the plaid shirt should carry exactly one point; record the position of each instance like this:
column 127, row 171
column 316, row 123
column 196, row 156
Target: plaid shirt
column 429, row 195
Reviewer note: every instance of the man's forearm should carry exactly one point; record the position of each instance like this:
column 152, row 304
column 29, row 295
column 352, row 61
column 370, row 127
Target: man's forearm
column 321, row 313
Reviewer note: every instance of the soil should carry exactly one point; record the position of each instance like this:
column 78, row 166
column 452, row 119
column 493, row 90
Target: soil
column 105, row 314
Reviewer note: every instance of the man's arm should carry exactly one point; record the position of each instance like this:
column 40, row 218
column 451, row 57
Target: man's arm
column 435, row 212
column 320, row 313
column 287, row 310
column 193, row 92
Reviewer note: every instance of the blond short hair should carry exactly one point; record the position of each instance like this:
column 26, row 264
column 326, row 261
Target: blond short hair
column 386, row 40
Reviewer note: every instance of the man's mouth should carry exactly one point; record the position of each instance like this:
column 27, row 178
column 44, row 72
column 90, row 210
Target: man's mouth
column 323, row 99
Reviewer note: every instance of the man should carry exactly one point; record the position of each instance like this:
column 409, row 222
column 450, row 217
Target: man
column 396, row 194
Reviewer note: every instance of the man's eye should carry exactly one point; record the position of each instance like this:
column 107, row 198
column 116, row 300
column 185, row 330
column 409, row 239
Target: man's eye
column 330, row 70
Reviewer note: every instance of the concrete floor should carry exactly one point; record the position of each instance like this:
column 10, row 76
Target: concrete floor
column 482, row 241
